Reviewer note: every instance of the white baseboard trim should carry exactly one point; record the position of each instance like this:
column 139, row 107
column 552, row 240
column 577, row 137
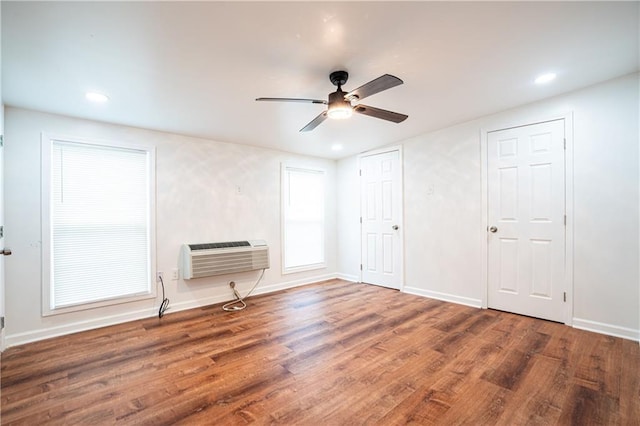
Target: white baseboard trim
column 460, row 300
column 347, row 277
column 608, row 329
column 55, row 331
column 295, row 283
column 582, row 324
column 75, row 327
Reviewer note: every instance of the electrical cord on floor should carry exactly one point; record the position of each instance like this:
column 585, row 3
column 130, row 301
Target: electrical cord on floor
column 165, row 302
column 239, row 301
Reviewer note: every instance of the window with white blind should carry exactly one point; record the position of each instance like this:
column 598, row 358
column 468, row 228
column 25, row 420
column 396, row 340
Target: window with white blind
column 303, row 218
column 98, row 227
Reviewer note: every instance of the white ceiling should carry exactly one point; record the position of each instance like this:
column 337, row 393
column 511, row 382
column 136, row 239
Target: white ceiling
column 196, row 68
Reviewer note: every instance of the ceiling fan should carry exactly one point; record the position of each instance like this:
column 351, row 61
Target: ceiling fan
column 342, row 105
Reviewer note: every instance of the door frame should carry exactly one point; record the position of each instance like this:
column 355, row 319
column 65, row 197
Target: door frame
column 3, row 221
column 401, row 207
column 568, row 183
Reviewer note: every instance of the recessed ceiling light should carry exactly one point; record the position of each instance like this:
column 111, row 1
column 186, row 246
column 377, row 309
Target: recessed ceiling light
column 336, row 147
column 545, row 78
column 96, row 97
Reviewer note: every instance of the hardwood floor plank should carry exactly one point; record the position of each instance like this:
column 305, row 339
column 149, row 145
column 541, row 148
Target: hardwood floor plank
column 630, row 381
column 422, row 407
column 485, row 404
column 385, row 386
column 590, row 407
column 511, row 370
column 327, row 353
column 454, row 323
column 548, row 384
column 482, row 322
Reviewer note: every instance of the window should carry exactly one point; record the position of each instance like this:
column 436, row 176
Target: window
column 98, row 227
column 303, row 219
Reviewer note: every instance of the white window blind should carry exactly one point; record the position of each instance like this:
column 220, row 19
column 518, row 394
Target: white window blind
column 303, row 222
column 100, row 223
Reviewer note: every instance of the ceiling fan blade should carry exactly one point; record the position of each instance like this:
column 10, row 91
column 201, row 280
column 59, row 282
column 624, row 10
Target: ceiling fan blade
column 380, row 113
column 307, row 101
column 381, row 83
column 315, row 122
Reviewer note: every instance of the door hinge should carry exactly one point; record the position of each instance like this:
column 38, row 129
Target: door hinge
column 565, row 220
column 565, row 143
column 1, row 140
column 1, row 323
column 360, row 219
column 565, row 296
column 361, row 266
column 1, row 231
column 360, row 172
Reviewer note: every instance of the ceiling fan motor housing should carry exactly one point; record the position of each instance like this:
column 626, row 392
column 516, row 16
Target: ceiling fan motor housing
column 337, row 98
column 339, row 78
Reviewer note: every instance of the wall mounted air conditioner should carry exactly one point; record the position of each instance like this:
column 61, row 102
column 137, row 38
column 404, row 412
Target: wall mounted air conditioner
column 206, row 260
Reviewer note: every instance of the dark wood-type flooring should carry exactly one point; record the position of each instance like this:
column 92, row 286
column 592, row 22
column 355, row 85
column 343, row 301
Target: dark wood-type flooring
column 333, row 353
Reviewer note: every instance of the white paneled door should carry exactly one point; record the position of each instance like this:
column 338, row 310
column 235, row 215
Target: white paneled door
column 381, row 210
column 526, row 220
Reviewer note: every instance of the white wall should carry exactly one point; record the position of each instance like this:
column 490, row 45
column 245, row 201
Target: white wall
column 197, row 201
column 349, row 219
column 444, row 234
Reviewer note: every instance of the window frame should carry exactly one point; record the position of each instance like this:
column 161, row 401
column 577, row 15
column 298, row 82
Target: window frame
column 284, row 193
column 47, row 142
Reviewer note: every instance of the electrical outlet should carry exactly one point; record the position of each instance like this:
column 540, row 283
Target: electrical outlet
column 159, row 276
column 175, row 274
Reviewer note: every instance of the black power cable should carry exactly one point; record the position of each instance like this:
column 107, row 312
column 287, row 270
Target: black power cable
column 165, row 302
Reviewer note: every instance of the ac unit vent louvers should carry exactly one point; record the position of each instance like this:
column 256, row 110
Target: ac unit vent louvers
column 210, row 259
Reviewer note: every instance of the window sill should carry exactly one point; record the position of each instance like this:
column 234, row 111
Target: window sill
column 47, row 311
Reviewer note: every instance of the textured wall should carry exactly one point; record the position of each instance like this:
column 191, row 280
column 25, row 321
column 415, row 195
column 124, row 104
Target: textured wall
column 443, row 206
column 206, row 191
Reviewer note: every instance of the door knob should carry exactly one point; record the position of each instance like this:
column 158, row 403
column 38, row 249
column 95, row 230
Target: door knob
column 395, row 227
column 493, row 229
column 6, row 251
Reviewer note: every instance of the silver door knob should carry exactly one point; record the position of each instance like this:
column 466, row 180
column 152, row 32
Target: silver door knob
column 493, row 229
column 6, row 252
column 395, row 227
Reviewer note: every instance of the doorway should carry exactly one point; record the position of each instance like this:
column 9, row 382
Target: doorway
column 381, row 218
column 526, row 220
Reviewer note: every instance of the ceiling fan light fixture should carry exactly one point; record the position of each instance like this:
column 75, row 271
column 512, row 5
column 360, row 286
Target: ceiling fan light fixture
column 339, row 108
column 340, row 112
